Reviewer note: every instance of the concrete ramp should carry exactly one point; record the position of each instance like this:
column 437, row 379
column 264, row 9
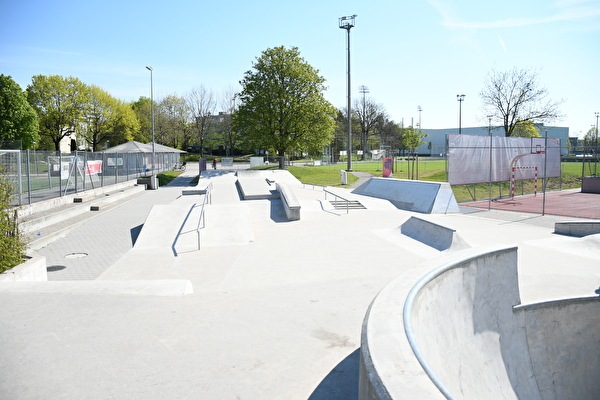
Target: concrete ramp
column 420, row 196
column 437, row 236
column 162, row 226
column 466, row 336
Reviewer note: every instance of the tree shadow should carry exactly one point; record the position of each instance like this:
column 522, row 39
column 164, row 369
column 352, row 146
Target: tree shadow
column 342, row 382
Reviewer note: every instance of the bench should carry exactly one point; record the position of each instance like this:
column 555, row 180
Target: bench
column 290, row 203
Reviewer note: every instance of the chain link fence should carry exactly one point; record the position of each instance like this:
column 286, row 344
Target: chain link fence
column 42, row 175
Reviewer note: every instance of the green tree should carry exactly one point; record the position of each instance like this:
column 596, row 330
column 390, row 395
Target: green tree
column 12, row 247
column 60, row 104
column 18, row 120
column 525, row 129
column 143, row 111
column 412, row 138
column 590, row 139
column 515, row 96
column 283, row 105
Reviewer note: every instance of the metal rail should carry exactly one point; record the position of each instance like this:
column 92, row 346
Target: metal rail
column 201, row 218
column 339, row 197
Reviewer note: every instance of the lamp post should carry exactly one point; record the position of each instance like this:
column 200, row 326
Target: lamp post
column 491, row 143
column 347, row 23
column 149, row 68
column 460, row 98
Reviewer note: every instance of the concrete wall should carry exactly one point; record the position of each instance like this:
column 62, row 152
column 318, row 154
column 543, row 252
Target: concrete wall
column 32, row 270
column 464, row 339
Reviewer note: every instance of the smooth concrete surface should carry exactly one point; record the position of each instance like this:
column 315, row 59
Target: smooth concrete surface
column 291, row 205
column 276, row 311
column 468, row 332
column 577, row 228
column 419, row 196
column 435, row 235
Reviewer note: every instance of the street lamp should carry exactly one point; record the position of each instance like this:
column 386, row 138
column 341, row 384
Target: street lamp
column 149, row 68
column 347, row 23
column 460, row 98
column 419, row 109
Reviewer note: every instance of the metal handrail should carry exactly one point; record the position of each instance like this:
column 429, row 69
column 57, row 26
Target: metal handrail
column 201, row 218
column 339, row 197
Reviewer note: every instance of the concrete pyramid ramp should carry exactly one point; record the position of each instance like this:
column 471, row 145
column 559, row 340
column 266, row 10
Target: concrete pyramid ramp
column 437, row 236
column 419, row 196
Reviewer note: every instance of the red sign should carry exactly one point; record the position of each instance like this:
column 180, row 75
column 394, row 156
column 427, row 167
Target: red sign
column 388, row 167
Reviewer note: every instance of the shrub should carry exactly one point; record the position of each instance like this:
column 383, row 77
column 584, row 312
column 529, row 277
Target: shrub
column 12, row 247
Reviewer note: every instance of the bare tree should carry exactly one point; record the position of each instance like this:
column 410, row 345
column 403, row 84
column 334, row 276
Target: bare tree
column 515, row 96
column 230, row 136
column 202, row 104
column 369, row 115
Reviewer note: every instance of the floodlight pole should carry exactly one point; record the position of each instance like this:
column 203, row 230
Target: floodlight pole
column 347, row 23
column 149, row 68
column 491, row 143
column 460, row 98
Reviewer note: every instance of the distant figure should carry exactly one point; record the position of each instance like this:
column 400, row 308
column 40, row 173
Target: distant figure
column 214, row 163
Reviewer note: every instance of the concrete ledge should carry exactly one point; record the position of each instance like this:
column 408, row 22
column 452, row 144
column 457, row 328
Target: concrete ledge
column 32, row 270
column 419, row 196
column 51, row 204
column 159, row 287
column 290, row 202
column 577, row 228
column 437, row 236
column 253, row 186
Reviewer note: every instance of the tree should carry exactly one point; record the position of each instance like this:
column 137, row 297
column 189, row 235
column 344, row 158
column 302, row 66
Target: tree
column 171, row 121
column 525, row 129
column 370, row 115
column 283, row 105
column 590, row 139
column 515, row 96
column 107, row 120
column 143, row 111
column 229, row 135
column 202, row 105
column 60, row 104
column 18, row 120
column 413, row 138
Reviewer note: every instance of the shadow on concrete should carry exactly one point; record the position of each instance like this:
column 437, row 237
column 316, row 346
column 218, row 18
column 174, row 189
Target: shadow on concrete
column 277, row 211
column 134, row 233
column 342, row 382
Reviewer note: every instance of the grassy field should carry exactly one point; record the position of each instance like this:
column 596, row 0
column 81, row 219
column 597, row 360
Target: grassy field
column 435, row 170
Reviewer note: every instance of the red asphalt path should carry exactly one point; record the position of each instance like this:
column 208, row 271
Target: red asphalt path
column 568, row 203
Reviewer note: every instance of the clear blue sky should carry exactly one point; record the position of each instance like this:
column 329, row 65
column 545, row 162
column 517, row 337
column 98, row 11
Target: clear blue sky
column 408, row 53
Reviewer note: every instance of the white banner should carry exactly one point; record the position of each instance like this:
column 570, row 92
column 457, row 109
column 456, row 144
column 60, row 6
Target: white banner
column 472, row 160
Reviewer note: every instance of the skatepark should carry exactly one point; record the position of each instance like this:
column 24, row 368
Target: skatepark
column 214, row 291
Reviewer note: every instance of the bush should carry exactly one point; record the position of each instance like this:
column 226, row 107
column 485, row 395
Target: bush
column 12, row 247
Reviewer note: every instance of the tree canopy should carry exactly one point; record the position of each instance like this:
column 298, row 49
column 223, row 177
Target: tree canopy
column 60, row 104
column 18, row 120
column 282, row 104
column 515, row 96
column 525, row 129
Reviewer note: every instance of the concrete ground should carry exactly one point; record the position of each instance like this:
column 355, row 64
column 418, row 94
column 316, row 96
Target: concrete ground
column 276, row 308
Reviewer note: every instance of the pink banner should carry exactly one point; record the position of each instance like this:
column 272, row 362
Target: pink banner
column 388, row 167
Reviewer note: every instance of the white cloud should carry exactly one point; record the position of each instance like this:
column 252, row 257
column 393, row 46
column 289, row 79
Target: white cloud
column 569, row 10
column 502, row 43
